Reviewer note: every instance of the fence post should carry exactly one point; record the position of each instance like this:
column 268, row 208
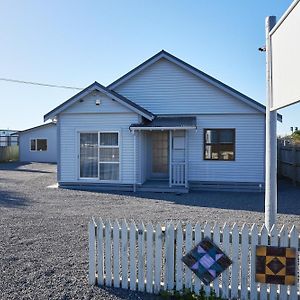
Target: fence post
column 149, row 281
column 124, row 254
column 116, row 253
column 92, row 253
column 132, row 262
column 294, row 242
column 158, row 259
column 273, row 242
column 141, row 257
column 100, row 252
column 169, row 275
column 179, row 246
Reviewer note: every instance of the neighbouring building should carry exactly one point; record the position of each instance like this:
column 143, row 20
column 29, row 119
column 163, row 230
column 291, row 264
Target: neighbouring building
column 38, row 144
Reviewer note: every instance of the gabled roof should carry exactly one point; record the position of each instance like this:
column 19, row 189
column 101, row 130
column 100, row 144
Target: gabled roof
column 164, row 54
column 98, row 87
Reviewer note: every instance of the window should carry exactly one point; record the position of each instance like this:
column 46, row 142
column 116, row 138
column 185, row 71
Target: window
column 219, row 144
column 38, row 145
column 109, row 159
column 89, row 155
column 99, row 155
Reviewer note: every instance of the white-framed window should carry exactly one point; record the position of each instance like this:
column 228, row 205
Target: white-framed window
column 100, row 155
column 88, row 155
column 38, row 144
column 109, row 156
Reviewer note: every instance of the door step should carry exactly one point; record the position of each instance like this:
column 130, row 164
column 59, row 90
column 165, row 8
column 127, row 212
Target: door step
column 160, row 189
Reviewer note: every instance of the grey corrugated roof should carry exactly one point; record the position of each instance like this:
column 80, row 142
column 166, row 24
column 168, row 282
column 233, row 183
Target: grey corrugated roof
column 168, row 122
column 39, row 126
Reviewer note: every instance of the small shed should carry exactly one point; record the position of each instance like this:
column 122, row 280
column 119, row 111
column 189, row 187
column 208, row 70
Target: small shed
column 38, row 144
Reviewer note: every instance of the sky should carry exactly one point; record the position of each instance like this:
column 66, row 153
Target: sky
column 75, row 43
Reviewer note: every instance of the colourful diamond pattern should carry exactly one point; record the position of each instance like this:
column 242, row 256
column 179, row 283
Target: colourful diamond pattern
column 207, row 261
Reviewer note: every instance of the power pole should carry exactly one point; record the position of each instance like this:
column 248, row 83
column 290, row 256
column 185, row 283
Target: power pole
column 271, row 137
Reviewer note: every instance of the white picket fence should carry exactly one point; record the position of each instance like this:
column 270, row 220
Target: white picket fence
column 148, row 259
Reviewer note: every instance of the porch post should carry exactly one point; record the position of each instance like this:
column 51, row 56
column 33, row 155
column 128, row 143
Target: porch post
column 186, row 158
column 170, row 157
column 134, row 161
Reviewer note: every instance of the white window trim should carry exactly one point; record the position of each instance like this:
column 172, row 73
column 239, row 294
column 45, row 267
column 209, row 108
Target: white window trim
column 108, row 162
column 97, row 179
column 35, row 139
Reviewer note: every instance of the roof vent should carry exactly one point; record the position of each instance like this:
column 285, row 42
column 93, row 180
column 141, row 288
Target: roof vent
column 98, row 101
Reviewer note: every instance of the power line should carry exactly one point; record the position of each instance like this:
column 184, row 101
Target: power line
column 41, row 84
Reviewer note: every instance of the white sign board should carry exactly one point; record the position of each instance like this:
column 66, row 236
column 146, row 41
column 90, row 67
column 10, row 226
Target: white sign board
column 285, row 41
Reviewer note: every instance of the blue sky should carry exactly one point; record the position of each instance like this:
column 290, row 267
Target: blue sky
column 78, row 42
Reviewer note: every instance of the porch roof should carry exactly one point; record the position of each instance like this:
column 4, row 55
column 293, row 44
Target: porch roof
column 166, row 123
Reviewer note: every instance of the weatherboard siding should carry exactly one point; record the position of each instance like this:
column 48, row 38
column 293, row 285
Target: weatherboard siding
column 88, row 105
column 165, row 88
column 249, row 157
column 44, row 132
column 72, row 123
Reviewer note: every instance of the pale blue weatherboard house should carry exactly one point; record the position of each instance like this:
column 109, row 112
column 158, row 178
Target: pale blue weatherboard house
column 164, row 126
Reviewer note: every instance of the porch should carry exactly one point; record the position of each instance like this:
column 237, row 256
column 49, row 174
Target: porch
column 161, row 186
column 161, row 154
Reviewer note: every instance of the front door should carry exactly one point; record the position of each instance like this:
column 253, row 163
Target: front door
column 160, row 154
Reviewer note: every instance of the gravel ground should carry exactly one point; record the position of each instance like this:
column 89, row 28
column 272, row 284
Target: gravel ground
column 44, row 230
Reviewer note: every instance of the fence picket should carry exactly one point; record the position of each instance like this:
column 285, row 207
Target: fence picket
column 124, row 254
column 108, row 273
column 264, row 241
column 149, row 258
column 294, row 241
column 284, row 242
column 92, row 254
column 244, row 262
column 197, row 240
column 254, row 242
column 116, row 254
column 207, row 234
column 108, row 258
column 170, row 257
column 100, row 253
column 179, row 246
column 216, row 240
column 225, row 274
column 235, row 260
column 141, row 258
column 158, row 258
column 132, row 236
column 274, row 242
column 188, row 247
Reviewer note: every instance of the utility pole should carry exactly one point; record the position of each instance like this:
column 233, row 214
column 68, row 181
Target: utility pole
column 271, row 137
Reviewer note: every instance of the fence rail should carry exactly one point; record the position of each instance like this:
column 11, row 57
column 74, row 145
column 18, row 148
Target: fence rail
column 289, row 161
column 149, row 258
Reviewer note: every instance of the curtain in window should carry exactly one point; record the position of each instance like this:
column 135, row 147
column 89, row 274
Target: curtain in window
column 108, row 139
column 89, row 155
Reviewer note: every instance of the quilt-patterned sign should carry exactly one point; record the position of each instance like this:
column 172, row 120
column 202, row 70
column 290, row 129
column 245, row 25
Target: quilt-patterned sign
column 207, row 261
column 276, row 265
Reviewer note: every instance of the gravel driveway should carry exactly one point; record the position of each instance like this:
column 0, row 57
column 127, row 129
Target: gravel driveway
column 44, row 230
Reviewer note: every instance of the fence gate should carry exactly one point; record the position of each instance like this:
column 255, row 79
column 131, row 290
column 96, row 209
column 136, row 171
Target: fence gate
column 148, row 258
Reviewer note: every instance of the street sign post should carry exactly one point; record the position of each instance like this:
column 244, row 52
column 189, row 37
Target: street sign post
column 283, row 89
